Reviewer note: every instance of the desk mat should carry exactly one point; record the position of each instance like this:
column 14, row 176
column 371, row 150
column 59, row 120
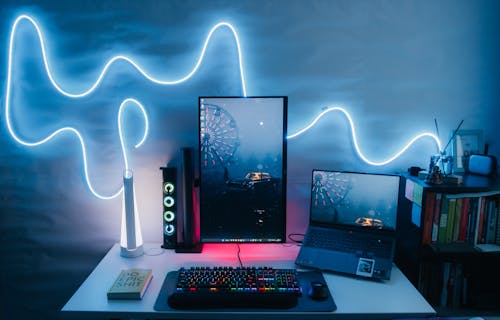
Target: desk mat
column 305, row 303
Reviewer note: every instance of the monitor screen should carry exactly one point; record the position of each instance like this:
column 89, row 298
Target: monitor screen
column 355, row 199
column 242, row 143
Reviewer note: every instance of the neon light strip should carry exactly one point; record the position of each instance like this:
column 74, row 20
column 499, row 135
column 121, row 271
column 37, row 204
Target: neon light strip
column 84, row 93
column 355, row 139
column 120, row 131
column 129, row 60
column 161, row 82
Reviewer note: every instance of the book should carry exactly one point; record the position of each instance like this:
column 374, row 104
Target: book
column 488, row 226
column 430, row 200
column 494, row 219
column 497, row 214
column 130, row 284
column 480, row 219
column 457, row 219
column 446, row 279
column 443, row 220
column 473, row 213
column 464, row 220
column 436, row 217
column 451, row 220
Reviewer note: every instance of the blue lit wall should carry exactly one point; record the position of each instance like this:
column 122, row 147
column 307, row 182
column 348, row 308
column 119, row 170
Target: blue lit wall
column 394, row 66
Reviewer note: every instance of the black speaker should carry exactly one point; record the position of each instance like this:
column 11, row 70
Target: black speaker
column 169, row 214
column 188, row 237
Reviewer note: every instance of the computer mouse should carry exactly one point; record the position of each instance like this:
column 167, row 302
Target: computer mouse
column 318, row 291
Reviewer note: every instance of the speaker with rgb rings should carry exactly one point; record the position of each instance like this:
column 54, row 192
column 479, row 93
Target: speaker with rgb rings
column 169, row 214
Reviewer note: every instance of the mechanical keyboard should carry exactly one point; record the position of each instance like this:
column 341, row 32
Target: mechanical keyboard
column 228, row 287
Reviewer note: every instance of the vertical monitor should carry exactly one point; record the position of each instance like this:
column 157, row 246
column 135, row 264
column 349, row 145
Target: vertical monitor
column 242, row 148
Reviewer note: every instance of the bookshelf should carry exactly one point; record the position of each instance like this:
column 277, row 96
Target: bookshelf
column 448, row 244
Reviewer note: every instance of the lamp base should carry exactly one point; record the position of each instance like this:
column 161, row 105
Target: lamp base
column 132, row 253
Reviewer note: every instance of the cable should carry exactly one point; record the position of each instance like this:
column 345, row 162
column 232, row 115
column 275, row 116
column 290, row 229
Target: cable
column 291, row 235
column 238, row 254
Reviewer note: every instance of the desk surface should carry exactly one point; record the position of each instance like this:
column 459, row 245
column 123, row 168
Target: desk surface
column 355, row 298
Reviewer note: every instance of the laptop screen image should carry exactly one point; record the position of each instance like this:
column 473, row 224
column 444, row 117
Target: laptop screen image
column 361, row 200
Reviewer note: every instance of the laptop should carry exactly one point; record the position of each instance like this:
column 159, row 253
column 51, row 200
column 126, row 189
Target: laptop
column 352, row 223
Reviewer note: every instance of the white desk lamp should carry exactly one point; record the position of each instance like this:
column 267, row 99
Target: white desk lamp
column 131, row 237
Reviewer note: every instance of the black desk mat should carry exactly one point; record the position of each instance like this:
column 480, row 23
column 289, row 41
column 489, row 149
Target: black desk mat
column 305, row 303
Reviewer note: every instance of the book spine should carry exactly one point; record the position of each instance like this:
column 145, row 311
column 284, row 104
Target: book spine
column 480, row 221
column 497, row 214
column 457, row 220
column 489, row 220
column 464, row 219
column 451, row 220
column 436, row 217
column 470, row 220
column 443, row 221
column 428, row 217
column 495, row 221
column 446, row 278
column 457, row 295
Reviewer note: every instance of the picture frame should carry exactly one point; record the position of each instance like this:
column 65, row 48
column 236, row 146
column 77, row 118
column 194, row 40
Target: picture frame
column 465, row 144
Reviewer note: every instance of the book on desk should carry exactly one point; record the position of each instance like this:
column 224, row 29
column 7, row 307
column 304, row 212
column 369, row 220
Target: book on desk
column 130, row 284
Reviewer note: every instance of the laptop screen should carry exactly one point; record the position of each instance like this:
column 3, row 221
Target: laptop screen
column 354, row 199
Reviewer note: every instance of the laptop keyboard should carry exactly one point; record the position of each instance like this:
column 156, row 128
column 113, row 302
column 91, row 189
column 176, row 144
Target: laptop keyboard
column 345, row 241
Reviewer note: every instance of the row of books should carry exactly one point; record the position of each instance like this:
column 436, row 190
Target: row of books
column 444, row 285
column 467, row 218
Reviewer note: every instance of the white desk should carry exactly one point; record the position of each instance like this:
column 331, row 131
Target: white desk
column 355, row 298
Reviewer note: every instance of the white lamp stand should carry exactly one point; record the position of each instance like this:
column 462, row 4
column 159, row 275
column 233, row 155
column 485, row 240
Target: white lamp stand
column 131, row 237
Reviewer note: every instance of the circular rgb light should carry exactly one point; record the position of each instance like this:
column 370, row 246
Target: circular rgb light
column 168, row 187
column 169, row 216
column 169, row 229
column 168, row 201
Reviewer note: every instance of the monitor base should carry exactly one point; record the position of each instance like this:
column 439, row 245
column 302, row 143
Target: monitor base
column 195, row 248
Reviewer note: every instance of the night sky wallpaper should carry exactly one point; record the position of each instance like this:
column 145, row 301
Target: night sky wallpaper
column 91, row 88
column 242, row 169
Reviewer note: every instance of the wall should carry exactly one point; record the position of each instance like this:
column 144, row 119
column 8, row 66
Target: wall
column 394, row 65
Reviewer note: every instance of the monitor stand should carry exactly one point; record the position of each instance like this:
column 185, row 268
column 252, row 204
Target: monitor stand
column 195, row 248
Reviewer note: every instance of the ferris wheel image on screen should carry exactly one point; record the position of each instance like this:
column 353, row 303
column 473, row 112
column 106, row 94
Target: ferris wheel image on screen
column 218, row 136
column 329, row 190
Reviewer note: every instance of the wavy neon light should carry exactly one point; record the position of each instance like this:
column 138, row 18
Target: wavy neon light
column 127, row 59
column 94, row 86
column 355, row 139
column 159, row 81
column 120, row 130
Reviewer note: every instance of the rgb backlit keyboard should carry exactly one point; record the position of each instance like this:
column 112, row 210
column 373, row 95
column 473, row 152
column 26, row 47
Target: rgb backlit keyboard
column 228, row 287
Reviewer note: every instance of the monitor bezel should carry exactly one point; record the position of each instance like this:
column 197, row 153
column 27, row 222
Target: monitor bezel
column 283, row 234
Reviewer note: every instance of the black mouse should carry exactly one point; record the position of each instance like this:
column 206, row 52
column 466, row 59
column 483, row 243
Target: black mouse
column 318, row 291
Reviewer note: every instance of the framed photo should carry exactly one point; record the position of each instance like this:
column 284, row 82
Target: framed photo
column 466, row 143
